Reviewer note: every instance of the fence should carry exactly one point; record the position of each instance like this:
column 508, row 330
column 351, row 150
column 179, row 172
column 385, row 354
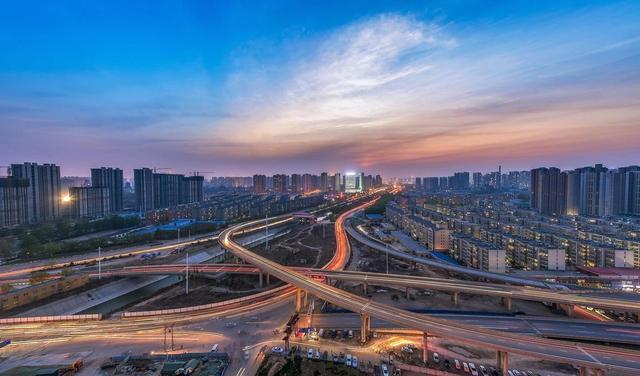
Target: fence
column 258, row 296
column 39, row 319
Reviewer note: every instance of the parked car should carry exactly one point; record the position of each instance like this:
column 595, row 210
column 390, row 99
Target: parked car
column 335, row 358
column 385, row 370
column 465, row 367
column 484, row 371
column 474, row 371
column 447, row 364
column 310, row 353
column 456, row 362
column 277, row 350
column 354, row 362
column 348, row 360
column 317, row 355
column 436, row 357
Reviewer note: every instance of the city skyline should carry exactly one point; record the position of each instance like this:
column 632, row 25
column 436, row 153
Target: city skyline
column 400, row 89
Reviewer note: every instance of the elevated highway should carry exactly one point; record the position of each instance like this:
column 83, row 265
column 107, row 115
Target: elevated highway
column 601, row 359
column 427, row 283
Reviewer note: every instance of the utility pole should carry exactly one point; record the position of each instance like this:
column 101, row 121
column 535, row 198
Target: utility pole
column 187, row 274
column 99, row 263
column 387, row 249
column 266, row 231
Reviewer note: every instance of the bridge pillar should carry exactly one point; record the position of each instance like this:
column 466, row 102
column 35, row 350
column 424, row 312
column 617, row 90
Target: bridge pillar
column 454, row 297
column 365, row 288
column 268, row 279
column 582, row 371
column 407, row 293
column 502, row 362
column 507, row 303
column 365, row 327
column 568, row 309
column 299, row 306
column 425, row 349
column 260, row 278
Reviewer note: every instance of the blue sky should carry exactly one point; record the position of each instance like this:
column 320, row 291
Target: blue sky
column 401, row 88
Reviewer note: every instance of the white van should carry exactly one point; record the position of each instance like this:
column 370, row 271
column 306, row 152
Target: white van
column 214, row 348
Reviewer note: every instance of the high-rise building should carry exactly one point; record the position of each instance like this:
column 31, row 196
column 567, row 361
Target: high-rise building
column 296, row 183
column 593, row 190
column 549, row 191
column 324, row 182
column 143, row 185
column 43, row 193
column 14, row 201
column 573, row 193
column 632, row 192
column 460, row 181
column 477, row 180
column 90, row 202
column 337, row 182
column 167, row 190
column 259, row 183
column 352, row 182
column 280, row 183
column 110, row 178
column 192, row 189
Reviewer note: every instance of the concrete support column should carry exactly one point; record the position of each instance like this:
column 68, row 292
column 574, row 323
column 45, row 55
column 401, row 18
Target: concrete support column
column 365, row 327
column 305, row 298
column 298, row 300
column 407, row 292
column 260, row 278
column 268, row 279
column 582, row 371
column 636, row 317
column 506, row 302
column 425, row 348
column 568, row 309
column 365, row 288
column 454, row 297
column 502, row 362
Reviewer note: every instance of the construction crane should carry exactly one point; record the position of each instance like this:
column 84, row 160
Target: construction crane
column 196, row 173
column 162, row 168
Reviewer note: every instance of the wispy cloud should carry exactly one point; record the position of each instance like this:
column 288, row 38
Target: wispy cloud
column 394, row 89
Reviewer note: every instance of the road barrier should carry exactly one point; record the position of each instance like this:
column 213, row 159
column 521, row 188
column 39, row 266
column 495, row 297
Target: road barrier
column 204, row 307
column 42, row 319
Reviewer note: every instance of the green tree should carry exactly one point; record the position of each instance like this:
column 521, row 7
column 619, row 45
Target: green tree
column 6, row 248
column 38, row 277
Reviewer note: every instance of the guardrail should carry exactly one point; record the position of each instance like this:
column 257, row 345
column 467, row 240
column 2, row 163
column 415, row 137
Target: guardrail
column 41, row 319
column 160, row 312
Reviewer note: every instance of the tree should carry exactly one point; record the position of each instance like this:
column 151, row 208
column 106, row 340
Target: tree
column 38, row 277
column 6, row 248
column 66, row 272
column 5, row 288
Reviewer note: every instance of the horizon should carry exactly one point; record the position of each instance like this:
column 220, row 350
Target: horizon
column 395, row 89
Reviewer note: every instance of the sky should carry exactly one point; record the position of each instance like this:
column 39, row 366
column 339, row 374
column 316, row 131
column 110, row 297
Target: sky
column 401, row 88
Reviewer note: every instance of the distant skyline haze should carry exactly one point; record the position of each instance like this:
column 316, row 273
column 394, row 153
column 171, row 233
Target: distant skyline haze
column 397, row 88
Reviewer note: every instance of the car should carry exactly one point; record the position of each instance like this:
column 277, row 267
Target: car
column 231, row 325
column 474, row 371
column 335, row 358
column 350, row 333
column 348, row 360
column 484, row 371
column 510, row 373
column 214, row 348
column 447, row 364
column 436, row 357
column 317, row 355
column 516, row 372
column 385, row 370
column 310, row 353
column 277, row 350
column 465, row 367
column 321, row 333
column 341, row 357
column 456, row 362
column 354, row 362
